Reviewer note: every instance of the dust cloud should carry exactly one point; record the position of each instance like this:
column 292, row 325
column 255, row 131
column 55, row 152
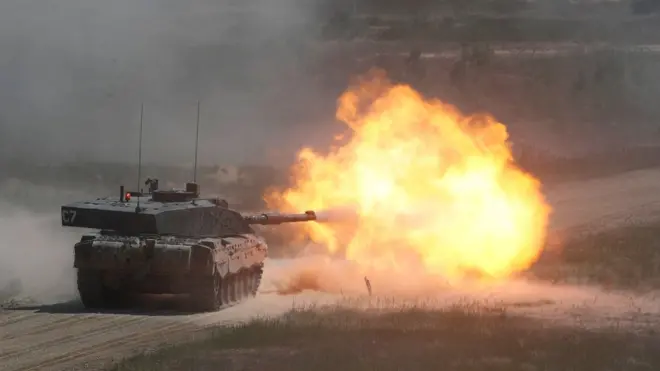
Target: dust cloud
column 74, row 75
column 316, row 281
column 36, row 256
column 36, row 252
column 337, row 276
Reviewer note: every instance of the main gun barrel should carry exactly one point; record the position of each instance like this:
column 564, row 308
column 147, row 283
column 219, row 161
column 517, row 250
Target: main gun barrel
column 272, row 219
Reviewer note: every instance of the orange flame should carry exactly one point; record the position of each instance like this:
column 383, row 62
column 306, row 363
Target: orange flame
column 425, row 188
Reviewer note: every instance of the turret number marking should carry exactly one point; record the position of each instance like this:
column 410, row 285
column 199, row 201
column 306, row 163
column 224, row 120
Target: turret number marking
column 68, row 216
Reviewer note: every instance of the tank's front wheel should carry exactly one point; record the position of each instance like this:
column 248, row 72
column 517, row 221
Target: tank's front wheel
column 94, row 294
column 206, row 294
column 255, row 278
column 245, row 276
column 224, row 291
column 234, row 283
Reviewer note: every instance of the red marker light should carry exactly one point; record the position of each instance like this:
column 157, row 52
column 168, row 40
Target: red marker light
column 128, row 196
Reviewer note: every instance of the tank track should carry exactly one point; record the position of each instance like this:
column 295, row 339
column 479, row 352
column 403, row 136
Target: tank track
column 214, row 293
column 95, row 295
column 207, row 294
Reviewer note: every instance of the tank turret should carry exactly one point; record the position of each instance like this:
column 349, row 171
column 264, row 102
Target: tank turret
column 168, row 242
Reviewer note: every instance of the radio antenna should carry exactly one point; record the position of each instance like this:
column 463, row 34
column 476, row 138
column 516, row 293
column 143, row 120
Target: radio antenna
column 137, row 208
column 196, row 143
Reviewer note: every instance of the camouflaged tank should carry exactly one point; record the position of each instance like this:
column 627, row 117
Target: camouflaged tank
column 168, row 242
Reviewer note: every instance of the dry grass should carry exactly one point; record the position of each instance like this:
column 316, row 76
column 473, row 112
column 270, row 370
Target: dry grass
column 624, row 258
column 459, row 338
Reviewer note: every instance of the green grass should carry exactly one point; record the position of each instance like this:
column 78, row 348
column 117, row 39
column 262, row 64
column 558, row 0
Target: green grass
column 458, row 338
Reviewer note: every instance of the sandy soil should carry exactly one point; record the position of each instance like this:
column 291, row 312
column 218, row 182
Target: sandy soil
column 63, row 336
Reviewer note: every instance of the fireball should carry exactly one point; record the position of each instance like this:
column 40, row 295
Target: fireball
column 426, row 188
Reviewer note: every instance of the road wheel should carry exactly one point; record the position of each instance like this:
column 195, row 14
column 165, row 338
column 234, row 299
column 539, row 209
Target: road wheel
column 206, row 293
column 94, row 294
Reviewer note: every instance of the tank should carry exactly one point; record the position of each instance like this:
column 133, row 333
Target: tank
column 168, row 242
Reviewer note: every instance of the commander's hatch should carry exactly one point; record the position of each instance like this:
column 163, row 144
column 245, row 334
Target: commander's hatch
column 176, row 195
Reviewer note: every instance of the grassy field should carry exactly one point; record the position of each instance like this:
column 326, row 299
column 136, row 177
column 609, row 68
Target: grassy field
column 461, row 337
column 625, row 258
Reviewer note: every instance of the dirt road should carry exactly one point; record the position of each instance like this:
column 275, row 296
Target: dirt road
column 64, row 337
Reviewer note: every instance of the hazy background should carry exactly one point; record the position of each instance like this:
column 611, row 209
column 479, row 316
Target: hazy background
column 73, row 74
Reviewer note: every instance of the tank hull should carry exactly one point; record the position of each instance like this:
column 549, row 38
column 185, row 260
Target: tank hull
column 212, row 272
